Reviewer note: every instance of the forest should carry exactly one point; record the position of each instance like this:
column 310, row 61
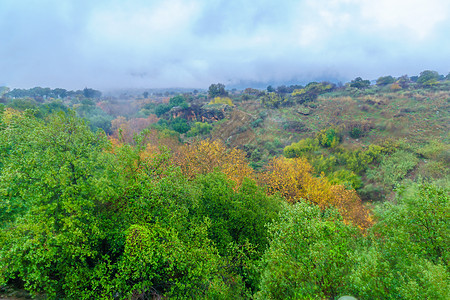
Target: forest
column 312, row 191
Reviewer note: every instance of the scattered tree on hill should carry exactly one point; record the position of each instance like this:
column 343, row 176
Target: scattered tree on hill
column 91, row 93
column 403, row 81
column 311, row 91
column 385, row 80
column 217, row 90
column 359, row 83
column 428, row 78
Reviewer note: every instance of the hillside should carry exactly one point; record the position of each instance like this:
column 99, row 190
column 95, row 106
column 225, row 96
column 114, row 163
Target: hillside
column 295, row 192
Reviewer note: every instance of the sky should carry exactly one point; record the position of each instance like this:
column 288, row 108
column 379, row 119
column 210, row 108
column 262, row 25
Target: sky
column 108, row 44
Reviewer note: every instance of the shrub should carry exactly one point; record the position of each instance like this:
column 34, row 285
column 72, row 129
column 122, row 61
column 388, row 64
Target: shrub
column 180, row 125
column 394, row 168
column 329, row 137
column 222, row 100
column 256, row 123
column 199, row 128
column 301, row 148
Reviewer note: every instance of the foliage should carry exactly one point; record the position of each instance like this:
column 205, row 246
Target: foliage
column 39, row 93
column 206, row 156
column 393, row 168
column 273, row 100
column 311, row 91
column 199, row 128
column 126, row 130
column 428, row 78
column 301, row 148
column 346, row 178
column 408, row 257
column 81, row 222
column 137, row 215
column 97, row 118
column 359, row 160
column 178, row 100
column 180, row 125
column 22, row 104
column 236, row 216
column 329, row 137
column 53, row 174
column 256, row 123
column 308, row 256
column 217, row 90
column 395, row 87
column 91, row 93
column 293, row 179
column 162, row 109
column 359, row 83
column 385, row 80
column 221, row 100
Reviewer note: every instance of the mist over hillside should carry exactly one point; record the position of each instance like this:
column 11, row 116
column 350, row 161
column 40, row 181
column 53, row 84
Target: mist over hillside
column 173, row 149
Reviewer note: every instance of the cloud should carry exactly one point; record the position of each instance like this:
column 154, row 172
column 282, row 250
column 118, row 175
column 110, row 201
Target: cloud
column 139, row 43
column 417, row 19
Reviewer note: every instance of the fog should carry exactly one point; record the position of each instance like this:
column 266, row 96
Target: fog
column 170, row 43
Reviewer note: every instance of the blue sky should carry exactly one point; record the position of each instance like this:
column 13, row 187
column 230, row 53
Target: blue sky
column 173, row 43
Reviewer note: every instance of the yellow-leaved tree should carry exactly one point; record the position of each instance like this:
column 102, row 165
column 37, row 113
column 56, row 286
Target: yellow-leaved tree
column 293, row 179
column 206, row 156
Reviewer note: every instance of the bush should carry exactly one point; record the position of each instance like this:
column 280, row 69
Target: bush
column 222, row 100
column 301, row 148
column 199, row 128
column 256, row 123
column 329, row 137
column 393, row 168
column 162, row 109
column 180, row 125
column 346, row 178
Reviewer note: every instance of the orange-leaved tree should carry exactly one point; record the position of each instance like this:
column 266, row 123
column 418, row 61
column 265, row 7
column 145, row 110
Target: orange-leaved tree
column 202, row 157
column 293, row 179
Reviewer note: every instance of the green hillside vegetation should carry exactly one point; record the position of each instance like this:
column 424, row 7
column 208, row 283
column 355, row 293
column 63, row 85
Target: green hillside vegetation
column 293, row 192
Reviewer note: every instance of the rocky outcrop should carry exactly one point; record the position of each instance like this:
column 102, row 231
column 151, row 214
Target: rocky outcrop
column 198, row 113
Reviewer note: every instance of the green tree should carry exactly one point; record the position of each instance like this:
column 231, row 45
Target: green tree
column 408, row 257
column 180, row 125
column 309, row 254
column 385, row 80
column 162, row 109
column 403, row 81
column 50, row 183
column 200, row 128
column 217, row 90
column 428, row 78
column 359, row 83
column 178, row 101
column 91, row 93
column 82, row 220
